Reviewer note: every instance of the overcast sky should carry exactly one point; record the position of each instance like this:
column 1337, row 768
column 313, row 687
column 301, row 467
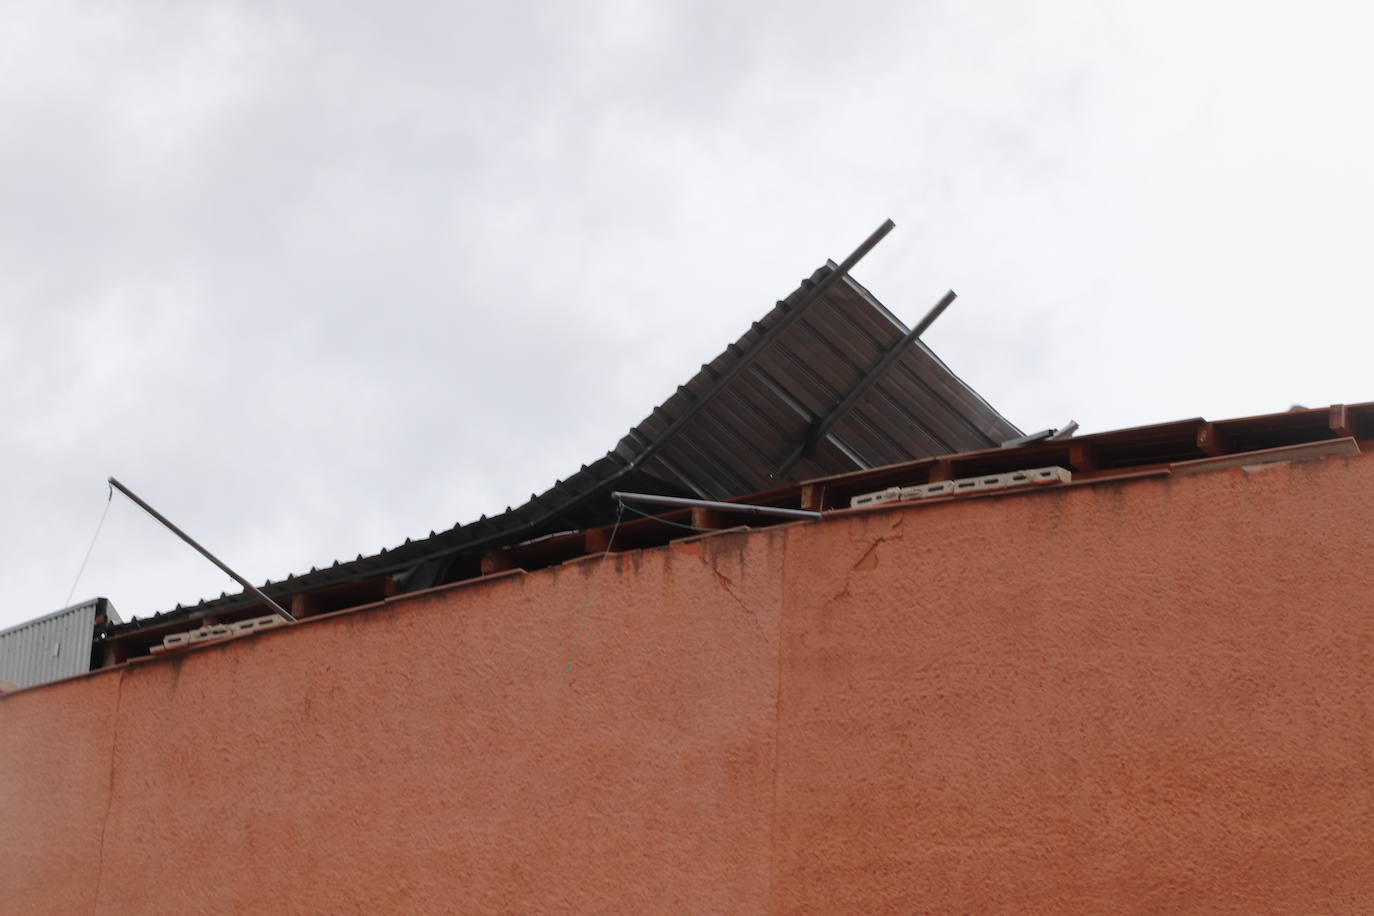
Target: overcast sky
column 316, row 277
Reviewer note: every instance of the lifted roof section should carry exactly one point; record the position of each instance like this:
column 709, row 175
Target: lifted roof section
column 828, row 381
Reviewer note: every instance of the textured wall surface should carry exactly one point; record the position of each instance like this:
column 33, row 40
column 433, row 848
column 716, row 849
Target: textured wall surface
column 56, row 744
column 1150, row 696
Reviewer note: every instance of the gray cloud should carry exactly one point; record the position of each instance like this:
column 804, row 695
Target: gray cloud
column 314, row 279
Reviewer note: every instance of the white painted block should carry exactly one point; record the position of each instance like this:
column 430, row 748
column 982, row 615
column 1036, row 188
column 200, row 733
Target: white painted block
column 891, row 494
column 926, row 490
column 217, row 631
column 1012, row 479
column 964, row 485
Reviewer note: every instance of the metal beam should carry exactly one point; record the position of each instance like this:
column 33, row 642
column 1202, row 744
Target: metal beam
column 248, row 586
column 1045, row 435
column 825, row 424
column 747, row 358
column 738, row 508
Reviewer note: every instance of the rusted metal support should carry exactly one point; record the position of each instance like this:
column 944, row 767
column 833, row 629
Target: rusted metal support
column 248, row 586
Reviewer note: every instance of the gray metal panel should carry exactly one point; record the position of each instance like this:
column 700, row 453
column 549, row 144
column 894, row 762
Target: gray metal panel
column 51, row 647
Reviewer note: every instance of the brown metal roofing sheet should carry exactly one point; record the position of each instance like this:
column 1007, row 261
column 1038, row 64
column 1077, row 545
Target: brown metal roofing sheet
column 804, row 386
column 840, row 343
column 697, row 457
column 774, row 428
column 857, row 434
column 865, row 314
column 754, row 447
column 772, row 389
column 954, row 397
column 833, row 326
column 902, row 433
column 891, row 395
column 821, row 375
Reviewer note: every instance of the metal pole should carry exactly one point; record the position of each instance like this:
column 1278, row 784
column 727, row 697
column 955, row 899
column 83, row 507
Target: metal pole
column 746, row 359
column 1067, row 432
column 870, row 378
column 741, row 508
column 884, row 362
column 248, row 586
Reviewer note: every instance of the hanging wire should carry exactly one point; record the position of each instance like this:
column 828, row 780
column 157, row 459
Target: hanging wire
column 108, row 500
column 596, row 588
column 625, row 505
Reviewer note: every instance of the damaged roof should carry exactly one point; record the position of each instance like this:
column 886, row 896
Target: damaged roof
column 827, row 382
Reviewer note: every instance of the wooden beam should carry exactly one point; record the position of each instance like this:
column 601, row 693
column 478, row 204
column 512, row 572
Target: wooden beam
column 1211, row 441
column 812, row 496
column 304, row 604
column 708, row 519
column 495, row 561
column 1340, row 421
column 111, row 654
column 942, row 469
column 596, row 540
column 1082, row 456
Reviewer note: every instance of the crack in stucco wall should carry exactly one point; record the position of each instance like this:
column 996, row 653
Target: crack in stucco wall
column 728, row 585
column 867, row 561
column 109, row 793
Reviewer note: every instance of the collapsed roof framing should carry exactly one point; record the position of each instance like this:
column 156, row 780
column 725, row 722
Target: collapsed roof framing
column 829, row 381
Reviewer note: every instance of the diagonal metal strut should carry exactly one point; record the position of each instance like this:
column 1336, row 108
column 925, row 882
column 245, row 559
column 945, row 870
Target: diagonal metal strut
column 746, row 359
column 248, row 586
column 822, row 427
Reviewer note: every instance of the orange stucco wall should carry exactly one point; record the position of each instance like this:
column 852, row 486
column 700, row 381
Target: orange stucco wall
column 1154, row 695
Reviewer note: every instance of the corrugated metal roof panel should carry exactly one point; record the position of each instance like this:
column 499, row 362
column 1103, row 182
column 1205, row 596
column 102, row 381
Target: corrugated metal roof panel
column 52, row 647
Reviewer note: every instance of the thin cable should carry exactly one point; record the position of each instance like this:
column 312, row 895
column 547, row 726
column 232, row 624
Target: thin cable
column 596, row 588
column 108, row 500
